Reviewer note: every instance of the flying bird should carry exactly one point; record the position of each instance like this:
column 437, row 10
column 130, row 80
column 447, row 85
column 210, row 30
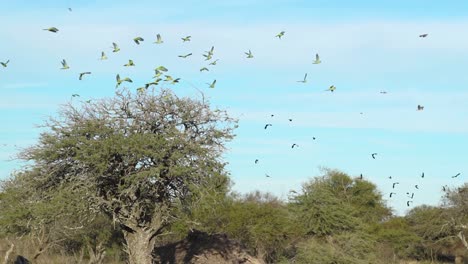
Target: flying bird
column 82, row 74
column 416, row 186
column 52, row 29
column 294, row 145
column 317, row 59
column 395, row 183
column 383, row 92
column 256, row 161
column 373, row 155
column 158, row 39
column 187, row 38
column 423, row 35
column 267, row 125
column 214, row 62
column 120, row 81
column 305, row 79
column 64, row 65
column 212, row 85
column 391, row 194
column 458, row 174
column 331, row 89
column 420, row 107
column 280, row 34
column 290, row 120
column 137, row 40
column 103, row 56
column 115, row 46
column 168, row 78
column 249, row 54
column 422, row 175
column 75, row 95
column 130, row 63
column 268, row 176
column 204, row 69
column 408, row 202
column 185, row 56
column 161, row 68
column 5, row 64
column 390, row 177
column 412, row 195
column 175, row 81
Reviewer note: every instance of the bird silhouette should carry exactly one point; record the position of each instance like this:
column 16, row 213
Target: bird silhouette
column 422, row 175
column 5, row 64
column 212, row 85
column 408, row 202
column 75, row 95
column 158, row 39
column 420, row 107
column 331, row 88
column 64, row 65
column 305, row 79
column 115, row 47
column 52, row 29
column 395, row 183
column 268, row 176
column 249, row 54
column 458, row 174
column 373, row 155
column 423, row 35
column 267, row 125
column 290, row 120
column 82, row 74
column 185, row 56
column 256, row 161
column 214, row 62
column 137, row 40
column 280, row 34
column 391, row 194
column 103, row 56
column 204, row 69
column 187, row 38
column 317, row 59
column 416, row 186
column 294, row 145
column 390, row 177
column 120, row 81
column 129, row 64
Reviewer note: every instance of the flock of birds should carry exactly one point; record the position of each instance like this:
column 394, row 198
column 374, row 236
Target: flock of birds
column 161, row 71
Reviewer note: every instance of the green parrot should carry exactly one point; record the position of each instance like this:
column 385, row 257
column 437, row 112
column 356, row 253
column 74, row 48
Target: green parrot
column 317, row 59
column 52, row 29
column 305, row 79
column 280, row 34
column 211, row 51
column 75, row 95
column 204, row 69
column 331, row 89
column 158, row 39
column 5, row 64
column 212, row 85
column 141, row 89
column 82, row 74
column 116, row 48
column 137, row 40
column 185, row 56
column 64, row 65
column 152, row 83
column 214, row 62
column 130, row 63
column 120, row 81
column 168, row 78
column 103, row 56
column 187, row 38
column 161, row 68
column 175, row 81
column 249, row 54
column 208, row 57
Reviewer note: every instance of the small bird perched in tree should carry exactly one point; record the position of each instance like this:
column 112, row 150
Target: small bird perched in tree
column 187, row 38
column 120, row 81
column 52, row 29
column 423, row 35
column 103, row 56
column 115, row 46
column 64, row 65
column 82, row 74
column 158, row 39
column 305, row 79
column 137, row 40
column 249, row 54
column 280, row 34
column 212, row 85
column 185, row 56
column 5, row 64
column 420, row 108
column 317, row 59
column 331, row 89
column 130, row 63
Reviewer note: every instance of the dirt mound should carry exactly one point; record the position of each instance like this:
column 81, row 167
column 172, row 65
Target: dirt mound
column 200, row 247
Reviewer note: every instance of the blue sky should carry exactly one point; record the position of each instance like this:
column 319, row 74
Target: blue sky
column 366, row 47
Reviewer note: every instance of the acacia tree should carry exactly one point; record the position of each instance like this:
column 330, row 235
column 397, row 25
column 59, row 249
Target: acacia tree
column 140, row 157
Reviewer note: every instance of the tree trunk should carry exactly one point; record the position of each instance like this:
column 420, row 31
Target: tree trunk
column 140, row 245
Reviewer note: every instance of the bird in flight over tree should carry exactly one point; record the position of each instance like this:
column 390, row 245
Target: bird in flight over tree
column 120, row 81
column 137, row 40
column 280, row 34
column 185, row 56
column 317, row 59
column 212, row 85
column 5, row 64
column 52, row 29
column 130, row 63
column 64, row 65
column 187, row 38
column 115, row 46
column 395, row 183
column 408, row 202
column 305, row 79
column 82, row 74
column 391, row 194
